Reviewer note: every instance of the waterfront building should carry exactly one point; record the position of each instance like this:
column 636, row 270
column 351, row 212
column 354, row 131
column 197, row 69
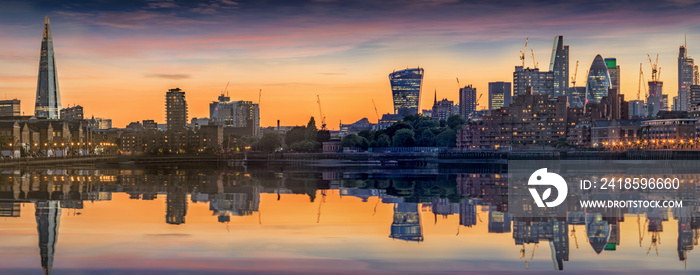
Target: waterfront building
column 467, row 101
column 48, row 96
column 175, row 110
column 406, row 224
column 559, row 66
column 72, row 113
column 539, row 82
column 98, row 123
column 530, row 118
column 406, row 90
column 150, row 125
column 10, row 107
column 598, row 81
column 499, row 95
column 686, row 78
column 241, row 117
column 576, row 96
column 611, row 107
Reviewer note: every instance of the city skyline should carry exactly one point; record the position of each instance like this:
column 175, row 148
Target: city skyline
column 343, row 57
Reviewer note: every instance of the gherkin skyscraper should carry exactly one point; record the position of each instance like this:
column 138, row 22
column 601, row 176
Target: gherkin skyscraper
column 48, row 97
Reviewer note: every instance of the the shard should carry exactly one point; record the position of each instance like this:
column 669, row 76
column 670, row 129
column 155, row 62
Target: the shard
column 48, row 97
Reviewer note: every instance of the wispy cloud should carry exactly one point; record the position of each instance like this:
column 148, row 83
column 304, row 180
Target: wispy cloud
column 169, row 76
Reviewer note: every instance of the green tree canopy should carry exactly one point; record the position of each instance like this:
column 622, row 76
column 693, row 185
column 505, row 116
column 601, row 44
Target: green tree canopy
column 270, row 141
column 455, row 122
column 447, row 138
column 311, row 130
column 403, row 138
column 427, row 138
column 383, row 140
column 295, row 135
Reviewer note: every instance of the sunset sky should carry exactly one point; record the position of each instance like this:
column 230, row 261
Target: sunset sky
column 118, row 58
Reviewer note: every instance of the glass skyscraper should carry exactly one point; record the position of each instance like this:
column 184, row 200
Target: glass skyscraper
column 686, row 78
column 559, row 66
column 598, row 81
column 406, row 89
column 614, row 71
column 48, row 97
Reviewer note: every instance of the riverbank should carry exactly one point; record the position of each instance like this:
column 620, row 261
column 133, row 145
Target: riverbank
column 24, row 162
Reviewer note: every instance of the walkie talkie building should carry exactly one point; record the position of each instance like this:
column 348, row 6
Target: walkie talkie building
column 406, row 89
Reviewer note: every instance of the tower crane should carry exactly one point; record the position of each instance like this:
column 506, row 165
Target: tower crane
column 654, row 67
column 522, row 53
column 573, row 79
column 534, row 63
column 375, row 110
column 259, row 96
column 323, row 118
column 639, row 87
column 477, row 100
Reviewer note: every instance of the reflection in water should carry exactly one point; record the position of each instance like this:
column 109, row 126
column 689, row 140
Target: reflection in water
column 48, row 217
column 412, row 193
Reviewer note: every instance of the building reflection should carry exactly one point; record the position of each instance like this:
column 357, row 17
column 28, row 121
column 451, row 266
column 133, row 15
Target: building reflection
column 472, row 197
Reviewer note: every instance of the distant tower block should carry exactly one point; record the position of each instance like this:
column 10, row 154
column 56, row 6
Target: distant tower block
column 48, row 97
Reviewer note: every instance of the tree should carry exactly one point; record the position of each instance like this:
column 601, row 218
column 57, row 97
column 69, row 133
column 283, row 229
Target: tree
column 270, row 141
column 350, row 141
column 383, row 141
column 296, row 134
column 447, row 138
column 305, row 146
column 391, row 130
column 367, row 134
column 404, row 138
column 427, row 138
column 455, row 122
column 311, row 130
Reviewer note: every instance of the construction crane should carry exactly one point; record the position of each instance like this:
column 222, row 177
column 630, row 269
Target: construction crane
column 259, row 97
column 323, row 118
column 458, row 86
column 522, row 53
column 477, row 101
column 573, row 79
column 533, row 58
column 641, row 83
column 654, row 67
column 375, row 110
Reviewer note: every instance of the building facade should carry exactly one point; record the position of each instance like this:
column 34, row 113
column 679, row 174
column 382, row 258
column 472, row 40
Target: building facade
column 539, row 82
column 686, row 78
column 48, row 96
column 73, row 113
column 406, row 90
column 559, row 66
column 499, row 95
column 598, row 81
column 467, row 101
column 243, row 115
column 175, row 110
column 10, row 107
column 442, row 109
column 614, row 71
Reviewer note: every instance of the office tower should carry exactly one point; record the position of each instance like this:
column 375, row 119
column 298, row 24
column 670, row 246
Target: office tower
column 541, row 82
column 559, row 66
column 598, row 81
column 676, row 106
column 48, row 97
column 176, row 200
column 686, row 77
column 10, row 107
column 406, row 89
column 576, row 96
column 175, row 110
column 499, row 95
column 48, row 218
column 467, row 101
column 614, row 72
column 72, row 113
column 655, row 98
column 237, row 114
